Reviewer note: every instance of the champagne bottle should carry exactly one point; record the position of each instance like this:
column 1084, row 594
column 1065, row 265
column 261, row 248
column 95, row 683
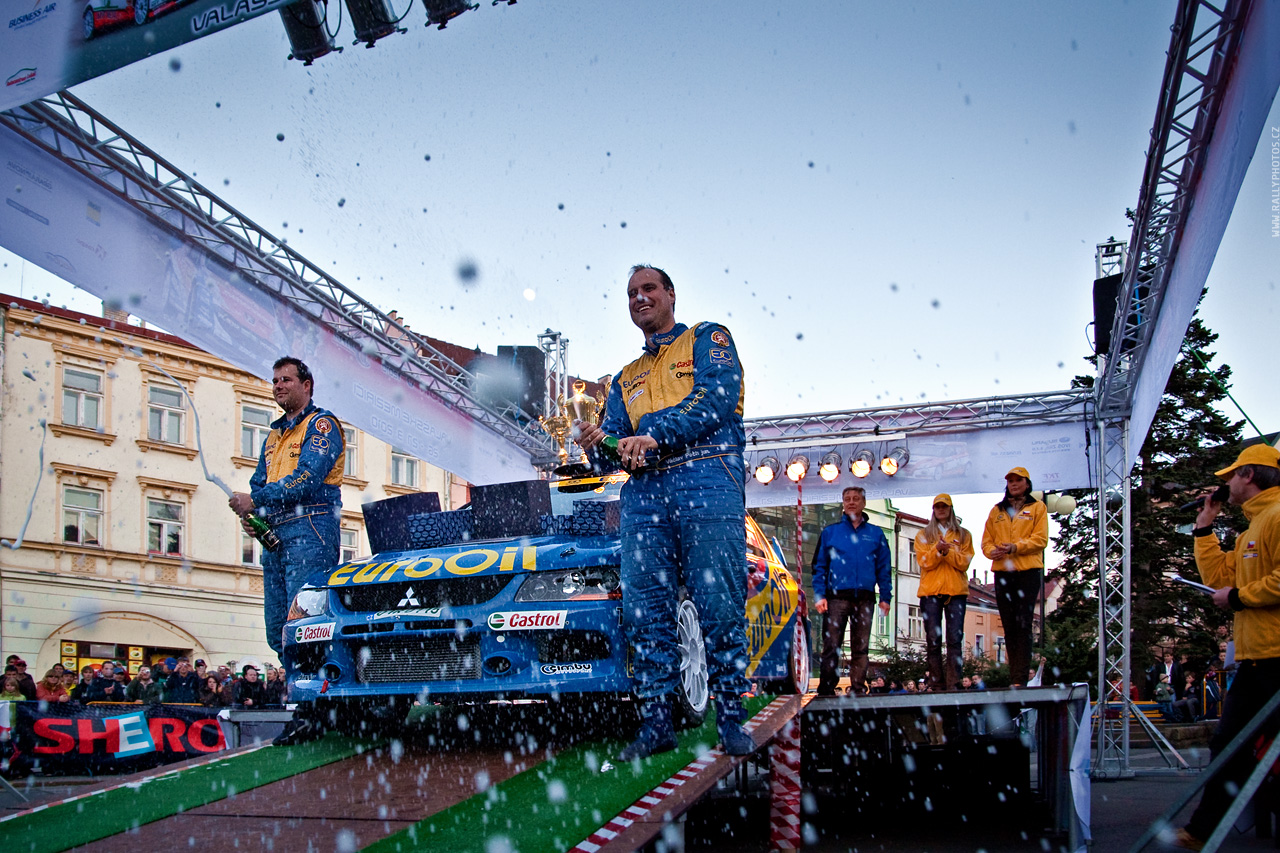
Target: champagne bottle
column 609, row 447
column 263, row 533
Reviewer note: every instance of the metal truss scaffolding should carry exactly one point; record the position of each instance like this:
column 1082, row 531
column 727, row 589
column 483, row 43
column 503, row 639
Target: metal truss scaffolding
column 1201, row 55
column 923, row 419
column 100, row 151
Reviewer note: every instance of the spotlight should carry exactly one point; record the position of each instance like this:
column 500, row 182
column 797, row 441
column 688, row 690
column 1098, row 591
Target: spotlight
column 371, row 20
column 830, row 467
column 305, row 25
column 767, row 470
column 860, row 465
column 892, row 463
column 441, row 12
column 797, row 468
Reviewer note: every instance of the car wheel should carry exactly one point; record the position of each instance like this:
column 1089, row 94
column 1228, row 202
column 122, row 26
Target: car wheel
column 693, row 695
column 799, row 664
column 140, row 10
column 88, row 23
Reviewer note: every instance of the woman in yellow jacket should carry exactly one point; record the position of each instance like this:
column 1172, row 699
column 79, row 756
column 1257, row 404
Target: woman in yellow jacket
column 1014, row 540
column 943, row 551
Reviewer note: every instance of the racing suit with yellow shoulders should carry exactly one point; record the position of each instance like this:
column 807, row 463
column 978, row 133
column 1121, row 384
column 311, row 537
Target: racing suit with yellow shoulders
column 297, row 489
column 683, row 513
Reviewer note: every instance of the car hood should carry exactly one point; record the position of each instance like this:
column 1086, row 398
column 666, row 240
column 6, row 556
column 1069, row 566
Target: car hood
column 473, row 559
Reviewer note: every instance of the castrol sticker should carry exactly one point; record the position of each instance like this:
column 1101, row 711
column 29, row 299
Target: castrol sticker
column 313, row 633
column 527, row 620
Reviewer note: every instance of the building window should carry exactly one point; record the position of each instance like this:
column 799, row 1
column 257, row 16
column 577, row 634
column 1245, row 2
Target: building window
column 999, row 649
column 164, row 527
column 350, row 545
column 979, row 646
column 404, row 469
column 915, row 623
column 913, row 567
column 164, row 414
column 250, row 550
column 882, row 623
column 350, row 465
column 82, row 516
column 255, row 426
column 81, row 398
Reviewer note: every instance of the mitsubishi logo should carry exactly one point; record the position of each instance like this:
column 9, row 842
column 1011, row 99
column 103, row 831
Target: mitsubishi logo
column 408, row 600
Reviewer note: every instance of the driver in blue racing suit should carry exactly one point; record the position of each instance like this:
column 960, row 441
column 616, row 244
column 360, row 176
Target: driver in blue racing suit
column 677, row 414
column 297, row 489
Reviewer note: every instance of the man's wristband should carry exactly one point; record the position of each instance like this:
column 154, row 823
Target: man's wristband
column 1233, row 599
column 1202, row 531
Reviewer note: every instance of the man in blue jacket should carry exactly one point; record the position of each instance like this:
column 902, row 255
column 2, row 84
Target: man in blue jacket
column 851, row 560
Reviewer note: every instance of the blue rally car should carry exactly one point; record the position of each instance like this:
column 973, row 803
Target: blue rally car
column 516, row 596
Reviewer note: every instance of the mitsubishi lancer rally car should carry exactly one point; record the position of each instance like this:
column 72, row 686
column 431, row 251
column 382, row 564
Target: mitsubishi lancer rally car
column 455, row 613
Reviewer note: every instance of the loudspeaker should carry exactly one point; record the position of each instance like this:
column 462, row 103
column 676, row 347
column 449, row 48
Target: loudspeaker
column 1105, row 292
column 510, row 509
column 387, row 521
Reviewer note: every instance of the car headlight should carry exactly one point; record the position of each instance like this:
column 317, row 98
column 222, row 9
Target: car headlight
column 309, row 602
column 591, row 584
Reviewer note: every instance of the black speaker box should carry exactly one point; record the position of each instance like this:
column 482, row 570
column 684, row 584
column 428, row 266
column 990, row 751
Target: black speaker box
column 510, row 509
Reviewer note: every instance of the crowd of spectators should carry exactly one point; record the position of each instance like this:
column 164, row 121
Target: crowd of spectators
column 171, row 681
column 1186, row 690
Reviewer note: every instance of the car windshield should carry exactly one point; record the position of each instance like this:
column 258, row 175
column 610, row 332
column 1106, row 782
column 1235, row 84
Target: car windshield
column 565, row 493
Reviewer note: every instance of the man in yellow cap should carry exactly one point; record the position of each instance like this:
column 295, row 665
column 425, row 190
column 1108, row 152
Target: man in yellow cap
column 1247, row 580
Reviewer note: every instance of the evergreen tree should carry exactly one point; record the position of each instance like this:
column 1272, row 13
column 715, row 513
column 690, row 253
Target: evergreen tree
column 1189, row 440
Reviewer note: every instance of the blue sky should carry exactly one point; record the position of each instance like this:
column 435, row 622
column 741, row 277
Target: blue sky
column 885, row 203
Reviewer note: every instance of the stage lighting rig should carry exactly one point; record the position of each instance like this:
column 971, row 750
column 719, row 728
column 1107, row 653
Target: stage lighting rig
column 441, row 12
column 767, row 470
column 829, row 468
column 895, row 461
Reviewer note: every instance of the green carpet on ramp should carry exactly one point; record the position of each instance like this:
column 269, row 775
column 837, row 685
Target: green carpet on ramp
column 551, row 807
column 99, row 816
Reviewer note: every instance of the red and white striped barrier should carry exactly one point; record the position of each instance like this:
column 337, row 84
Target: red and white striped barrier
column 784, row 787
column 641, row 808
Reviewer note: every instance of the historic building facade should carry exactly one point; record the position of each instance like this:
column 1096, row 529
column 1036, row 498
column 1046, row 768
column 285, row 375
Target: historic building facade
column 127, row 549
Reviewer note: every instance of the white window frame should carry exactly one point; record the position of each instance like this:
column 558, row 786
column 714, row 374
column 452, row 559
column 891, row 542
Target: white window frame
column 81, row 514
column 915, row 622
column 254, row 549
column 74, row 399
column 979, row 645
column 167, row 414
column 351, row 458
column 403, row 464
column 167, row 527
column 348, row 545
column 255, row 433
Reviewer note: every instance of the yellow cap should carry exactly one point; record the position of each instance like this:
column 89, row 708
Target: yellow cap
column 1019, row 471
column 943, row 498
column 1257, row 454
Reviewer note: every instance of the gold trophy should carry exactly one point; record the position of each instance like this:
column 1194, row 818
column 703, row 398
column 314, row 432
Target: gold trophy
column 579, row 407
column 558, row 428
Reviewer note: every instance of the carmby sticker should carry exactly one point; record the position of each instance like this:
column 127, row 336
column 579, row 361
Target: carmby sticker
column 566, row 669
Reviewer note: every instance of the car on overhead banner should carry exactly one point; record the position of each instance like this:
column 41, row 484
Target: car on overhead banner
column 468, row 616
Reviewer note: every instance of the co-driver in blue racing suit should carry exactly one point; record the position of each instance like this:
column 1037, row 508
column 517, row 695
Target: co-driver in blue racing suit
column 677, row 411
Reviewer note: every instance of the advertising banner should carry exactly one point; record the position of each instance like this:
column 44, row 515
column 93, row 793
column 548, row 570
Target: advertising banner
column 84, row 234
column 1056, row 456
column 47, row 45
column 111, row 738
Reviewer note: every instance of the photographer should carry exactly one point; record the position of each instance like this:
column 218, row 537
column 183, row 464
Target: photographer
column 1247, row 580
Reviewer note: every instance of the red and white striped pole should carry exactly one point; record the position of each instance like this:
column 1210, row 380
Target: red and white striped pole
column 784, row 787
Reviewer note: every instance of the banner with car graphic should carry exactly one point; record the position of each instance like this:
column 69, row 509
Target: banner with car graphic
column 48, row 45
